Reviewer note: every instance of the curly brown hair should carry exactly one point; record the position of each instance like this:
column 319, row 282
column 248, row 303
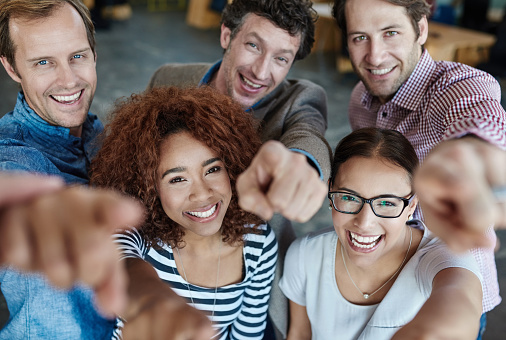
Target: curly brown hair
column 130, row 153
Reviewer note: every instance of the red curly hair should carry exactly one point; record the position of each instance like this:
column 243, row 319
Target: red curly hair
column 130, row 153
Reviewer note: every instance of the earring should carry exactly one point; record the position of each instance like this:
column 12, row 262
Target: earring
column 330, row 206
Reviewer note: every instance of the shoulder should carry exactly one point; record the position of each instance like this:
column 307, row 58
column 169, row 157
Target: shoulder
column 262, row 240
column 10, row 127
column 179, row 74
column 300, row 88
column 313, row 243
column 463, row 77
column 16, row 155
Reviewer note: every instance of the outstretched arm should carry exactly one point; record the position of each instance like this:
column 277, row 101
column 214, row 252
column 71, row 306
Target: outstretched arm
column 452, row 311
column 65, row 233
column 155, row 311
column 456, row 185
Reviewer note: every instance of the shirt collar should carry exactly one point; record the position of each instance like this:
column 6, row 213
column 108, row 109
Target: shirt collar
column 24, row 113
column 412, row 91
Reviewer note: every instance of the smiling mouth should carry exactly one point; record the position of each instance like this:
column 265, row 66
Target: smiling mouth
column 250, row 83
column 364, row 242
column 381, row 72
column 68, row 99
column 203, row 214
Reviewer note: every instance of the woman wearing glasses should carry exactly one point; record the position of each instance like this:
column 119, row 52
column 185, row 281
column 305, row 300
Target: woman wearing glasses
column 378, row 269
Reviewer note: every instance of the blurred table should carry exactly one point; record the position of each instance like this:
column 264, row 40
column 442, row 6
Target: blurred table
column 453, row 43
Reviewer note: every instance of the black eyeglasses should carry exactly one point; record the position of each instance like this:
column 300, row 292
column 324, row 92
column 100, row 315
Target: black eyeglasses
column 385, row 206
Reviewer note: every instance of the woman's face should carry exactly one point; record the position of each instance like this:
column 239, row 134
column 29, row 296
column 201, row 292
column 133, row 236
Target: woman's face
column 193, row 185
column 375, row 236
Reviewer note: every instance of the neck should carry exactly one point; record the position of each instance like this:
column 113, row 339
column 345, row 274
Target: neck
column 201, row 245
column 218, row 81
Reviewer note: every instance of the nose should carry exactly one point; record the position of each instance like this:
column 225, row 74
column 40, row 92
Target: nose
column 365, row 217
column 376, row 53
column 200, row 191
column 261, row 67
column 67, row 77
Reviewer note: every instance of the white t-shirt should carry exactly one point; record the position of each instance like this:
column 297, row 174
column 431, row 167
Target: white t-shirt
column 309, row 280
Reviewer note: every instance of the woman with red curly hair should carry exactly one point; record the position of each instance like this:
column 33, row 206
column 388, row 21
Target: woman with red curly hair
column 180, row 152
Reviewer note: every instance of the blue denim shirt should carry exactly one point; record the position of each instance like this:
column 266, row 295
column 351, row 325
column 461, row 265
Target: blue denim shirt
column 37, row 310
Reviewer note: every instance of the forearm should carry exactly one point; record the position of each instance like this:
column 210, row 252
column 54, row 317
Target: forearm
column 300, row 327
column 145, row 288
column 452, row 311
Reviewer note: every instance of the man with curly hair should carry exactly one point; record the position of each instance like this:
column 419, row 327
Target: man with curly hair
column 261, row 41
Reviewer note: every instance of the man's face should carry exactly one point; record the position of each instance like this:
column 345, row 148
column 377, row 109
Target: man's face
column 55, row 67
column 383, row 46
column 256, row 61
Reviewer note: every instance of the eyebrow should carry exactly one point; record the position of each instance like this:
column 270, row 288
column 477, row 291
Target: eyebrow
column 254, row 34
column 87, row 49
column 387, row 28
column 182, row 168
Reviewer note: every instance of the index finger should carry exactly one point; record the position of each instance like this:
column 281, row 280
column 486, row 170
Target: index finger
column 16, row 188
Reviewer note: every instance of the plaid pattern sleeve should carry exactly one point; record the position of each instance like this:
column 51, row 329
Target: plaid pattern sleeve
column 441, row 100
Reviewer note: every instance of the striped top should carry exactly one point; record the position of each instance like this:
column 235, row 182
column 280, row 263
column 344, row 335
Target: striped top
column 441, row 100
column 240, row 310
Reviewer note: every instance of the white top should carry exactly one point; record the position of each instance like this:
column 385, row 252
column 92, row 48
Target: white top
column 309, row 280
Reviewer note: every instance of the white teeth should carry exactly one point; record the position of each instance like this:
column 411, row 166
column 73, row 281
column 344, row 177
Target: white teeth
column 372, row 240
column 365, row 246
column 256, row 86
column 67, row 99
column 381, row 72
column 203, row 214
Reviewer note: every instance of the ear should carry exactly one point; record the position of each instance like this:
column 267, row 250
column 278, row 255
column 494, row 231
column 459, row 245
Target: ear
column 412, row 206
column 225, row 36
column 10, row 70
column 423, row 26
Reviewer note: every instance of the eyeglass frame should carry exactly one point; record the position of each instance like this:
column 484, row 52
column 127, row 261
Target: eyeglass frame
column 406, row 202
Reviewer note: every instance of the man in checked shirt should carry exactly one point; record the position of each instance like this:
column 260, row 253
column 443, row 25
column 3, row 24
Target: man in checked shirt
column 447, row 104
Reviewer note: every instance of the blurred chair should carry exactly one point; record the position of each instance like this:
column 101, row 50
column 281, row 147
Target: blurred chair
column 474, row 15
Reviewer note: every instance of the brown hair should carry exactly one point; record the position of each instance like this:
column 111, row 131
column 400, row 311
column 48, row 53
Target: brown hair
column 36, row 10
column 390, row 145
column 130, row 155
column 294, row 16
column 415, row 9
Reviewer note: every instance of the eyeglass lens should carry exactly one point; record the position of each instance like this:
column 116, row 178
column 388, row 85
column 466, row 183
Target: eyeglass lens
column 384, row 206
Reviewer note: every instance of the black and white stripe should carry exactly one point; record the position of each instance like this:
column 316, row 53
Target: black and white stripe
column 241, row 309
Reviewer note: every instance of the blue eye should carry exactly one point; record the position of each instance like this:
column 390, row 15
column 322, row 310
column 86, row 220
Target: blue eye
column 42, row 62
column 77, row 56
